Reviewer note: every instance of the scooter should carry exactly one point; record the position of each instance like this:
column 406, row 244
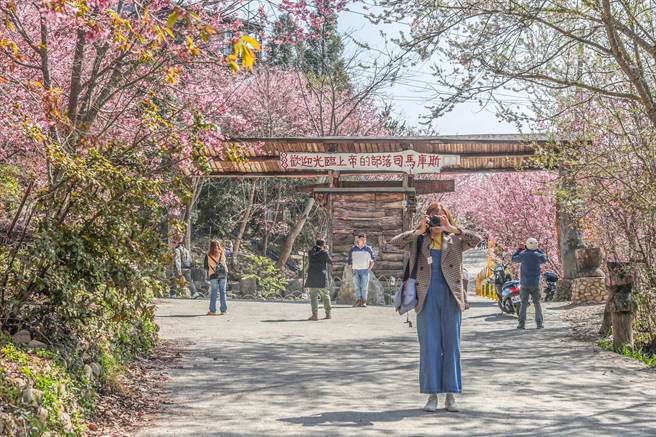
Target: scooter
column 510, row 301
column 550, row 285
column 501, row 279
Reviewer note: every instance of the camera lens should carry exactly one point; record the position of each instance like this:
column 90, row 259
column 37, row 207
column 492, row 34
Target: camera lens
column 434, row 221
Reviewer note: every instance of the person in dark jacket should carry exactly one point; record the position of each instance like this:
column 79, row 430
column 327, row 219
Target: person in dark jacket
column 317, row 278
column 531, row 258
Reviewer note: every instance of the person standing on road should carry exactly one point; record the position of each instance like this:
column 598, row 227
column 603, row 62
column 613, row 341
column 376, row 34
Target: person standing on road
column 361, row 259
column 217, row 272
column 531, row 258
column 317, row 278
column 182, row 265
column 440, row 300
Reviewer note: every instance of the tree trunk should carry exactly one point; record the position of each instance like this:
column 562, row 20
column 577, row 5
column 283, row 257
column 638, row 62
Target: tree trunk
column 244, row 221
column 293, row 234
column 196, row 187
column 620, row 305
column 569, row 238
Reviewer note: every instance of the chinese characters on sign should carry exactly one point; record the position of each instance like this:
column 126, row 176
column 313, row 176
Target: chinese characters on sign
column 407, row 161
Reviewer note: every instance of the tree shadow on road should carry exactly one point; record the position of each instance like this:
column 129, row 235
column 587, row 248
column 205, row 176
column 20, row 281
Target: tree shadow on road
column 283, row 320
column 355, row 418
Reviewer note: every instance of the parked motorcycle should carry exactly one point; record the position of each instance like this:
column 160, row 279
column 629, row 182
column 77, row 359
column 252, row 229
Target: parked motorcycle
column 510, row 299
column 550, row 279
column 501, row 279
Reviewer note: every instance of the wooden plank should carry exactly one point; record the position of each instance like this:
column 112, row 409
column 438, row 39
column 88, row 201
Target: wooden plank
column 372, row 213
column 359, row 190
column 350, row 184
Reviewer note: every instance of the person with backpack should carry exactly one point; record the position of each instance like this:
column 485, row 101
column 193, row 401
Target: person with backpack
column 217, row 272
column 317, row 278
column 531, row 258
column 182, row 265
column 435, row 251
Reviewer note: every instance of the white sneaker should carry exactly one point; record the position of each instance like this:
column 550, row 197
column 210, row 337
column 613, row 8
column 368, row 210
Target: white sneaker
column 450, row 404
column 431, row 404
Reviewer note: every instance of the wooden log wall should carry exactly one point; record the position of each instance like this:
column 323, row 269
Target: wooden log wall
column 380, row 217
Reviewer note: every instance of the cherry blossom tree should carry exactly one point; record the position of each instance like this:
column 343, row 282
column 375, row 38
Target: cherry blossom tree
column 508, row 208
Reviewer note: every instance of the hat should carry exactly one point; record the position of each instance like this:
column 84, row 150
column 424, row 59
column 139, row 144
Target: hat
column 531, row 244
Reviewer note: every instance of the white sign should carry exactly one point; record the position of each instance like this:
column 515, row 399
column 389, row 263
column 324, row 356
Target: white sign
column 407, row 161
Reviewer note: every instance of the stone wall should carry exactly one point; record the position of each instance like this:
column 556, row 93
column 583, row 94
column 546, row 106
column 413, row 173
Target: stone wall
column 589, row 290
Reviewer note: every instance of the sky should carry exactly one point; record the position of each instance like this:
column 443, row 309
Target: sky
column 412, row 93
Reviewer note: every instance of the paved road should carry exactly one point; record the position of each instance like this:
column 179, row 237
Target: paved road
column 263, row 370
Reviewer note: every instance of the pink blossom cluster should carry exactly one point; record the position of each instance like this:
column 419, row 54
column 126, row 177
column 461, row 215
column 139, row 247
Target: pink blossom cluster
column 508, row 208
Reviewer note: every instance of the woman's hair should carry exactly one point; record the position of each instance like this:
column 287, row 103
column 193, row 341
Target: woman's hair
column 437, row 206
column 320, row 242
column 216, row 250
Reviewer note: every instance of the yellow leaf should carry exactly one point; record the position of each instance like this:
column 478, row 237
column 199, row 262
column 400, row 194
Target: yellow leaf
column 210, row 30
column 247, row 59
column 252, row 41
column 237, row 48
column 234, row 67
column 173, row 17
column 232, row 57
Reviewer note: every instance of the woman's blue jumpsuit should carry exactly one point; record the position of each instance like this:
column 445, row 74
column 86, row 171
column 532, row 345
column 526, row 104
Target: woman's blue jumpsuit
column 438, row 328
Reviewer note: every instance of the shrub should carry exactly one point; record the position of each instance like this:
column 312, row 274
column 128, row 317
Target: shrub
column 270, row 281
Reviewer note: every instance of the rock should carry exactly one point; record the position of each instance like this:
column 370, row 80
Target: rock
column 65, row 420
column 42, row 414
column 248, row 286
column 96, row 368
column 233, row 286
column 28, row 396
column 88, row 371
column 588, row 261
column 346, row 293
column 295, row 285
column 36, row 344
column 22, row 337
column 92, row 427
column 85, row 357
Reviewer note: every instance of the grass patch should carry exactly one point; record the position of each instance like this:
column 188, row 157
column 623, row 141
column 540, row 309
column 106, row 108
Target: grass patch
column 637, row 353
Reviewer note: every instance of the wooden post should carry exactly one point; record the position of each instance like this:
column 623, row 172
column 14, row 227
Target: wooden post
column 332, row 175
column 620, row 305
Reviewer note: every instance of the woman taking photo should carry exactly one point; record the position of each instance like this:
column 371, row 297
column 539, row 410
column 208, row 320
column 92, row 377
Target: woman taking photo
column 440, row 300
column 217, row 272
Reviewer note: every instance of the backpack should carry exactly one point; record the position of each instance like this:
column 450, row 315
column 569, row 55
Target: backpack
column 185, row 258
column 220, row 271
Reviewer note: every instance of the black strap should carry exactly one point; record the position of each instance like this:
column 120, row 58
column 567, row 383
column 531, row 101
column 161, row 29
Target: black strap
column 406, row 274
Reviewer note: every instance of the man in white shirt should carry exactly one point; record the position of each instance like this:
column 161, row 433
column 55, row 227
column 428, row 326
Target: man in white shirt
column 361, row 259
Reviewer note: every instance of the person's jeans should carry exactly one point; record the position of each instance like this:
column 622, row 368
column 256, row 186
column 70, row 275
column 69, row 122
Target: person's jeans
column 361, row 283
column 534, row 292
column 314, row 299
column 218, row 285
column 186, row 273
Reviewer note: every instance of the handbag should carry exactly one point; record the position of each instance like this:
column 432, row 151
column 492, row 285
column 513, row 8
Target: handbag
column 405, row 298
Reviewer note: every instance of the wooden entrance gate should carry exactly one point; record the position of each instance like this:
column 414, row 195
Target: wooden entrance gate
column 379, row 208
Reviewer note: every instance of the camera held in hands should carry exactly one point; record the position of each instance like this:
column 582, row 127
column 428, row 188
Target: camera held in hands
column 434, row 221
